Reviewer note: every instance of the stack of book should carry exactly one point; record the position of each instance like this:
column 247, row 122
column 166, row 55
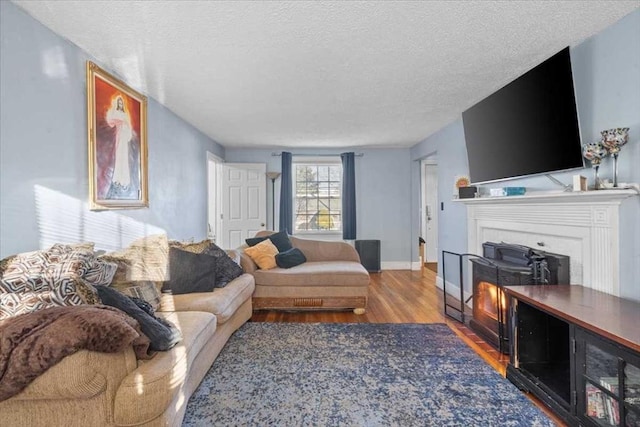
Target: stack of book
column 611, row 404
column 606, row 408
column 596, row 407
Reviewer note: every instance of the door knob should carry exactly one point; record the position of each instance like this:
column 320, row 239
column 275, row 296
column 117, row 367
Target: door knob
column 262, row 224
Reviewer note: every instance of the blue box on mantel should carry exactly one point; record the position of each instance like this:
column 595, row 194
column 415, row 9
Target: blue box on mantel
column 507, row 191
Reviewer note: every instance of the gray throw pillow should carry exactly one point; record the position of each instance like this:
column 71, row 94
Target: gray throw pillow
column 226, row 268
column 190, row 272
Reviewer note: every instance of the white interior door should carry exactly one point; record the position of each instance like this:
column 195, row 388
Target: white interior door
column 430, row 211
column 244, row 202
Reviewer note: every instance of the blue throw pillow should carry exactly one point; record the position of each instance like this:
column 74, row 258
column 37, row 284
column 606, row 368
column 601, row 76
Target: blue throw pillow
column 290, row 258
column 280, row 240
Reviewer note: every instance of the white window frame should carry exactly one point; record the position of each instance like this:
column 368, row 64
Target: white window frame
column 315, row 161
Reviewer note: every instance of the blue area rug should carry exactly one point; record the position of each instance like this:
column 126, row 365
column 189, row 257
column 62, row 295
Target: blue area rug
column 360, row 374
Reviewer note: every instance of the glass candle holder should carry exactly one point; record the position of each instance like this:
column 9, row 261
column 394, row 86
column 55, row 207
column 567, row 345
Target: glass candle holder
column 613, row 140
column 594, row 152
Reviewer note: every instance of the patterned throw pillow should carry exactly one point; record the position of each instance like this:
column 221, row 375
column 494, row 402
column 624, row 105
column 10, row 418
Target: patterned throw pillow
column 123, row 266
column 148, row 258
column 196, row 248
column 43, row 279
column 263, row 254
column 100, row 273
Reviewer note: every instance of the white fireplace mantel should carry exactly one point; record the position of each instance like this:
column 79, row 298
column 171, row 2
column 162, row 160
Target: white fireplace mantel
column 583, row 225
column 600, row 196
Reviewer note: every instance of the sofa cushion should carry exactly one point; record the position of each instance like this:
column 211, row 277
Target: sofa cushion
column 290, row 258
column 160, row 378
column 336, row 273
column 263, row 254
column 190, row 272
column 280, row 240
column 221, row 302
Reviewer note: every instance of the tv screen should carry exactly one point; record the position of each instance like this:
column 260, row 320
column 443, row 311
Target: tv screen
column 530, row 126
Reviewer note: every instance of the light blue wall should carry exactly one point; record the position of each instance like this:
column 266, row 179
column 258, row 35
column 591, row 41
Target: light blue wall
column 43, row 151
column 382, row 194
column 606, row 71
column 448, row 144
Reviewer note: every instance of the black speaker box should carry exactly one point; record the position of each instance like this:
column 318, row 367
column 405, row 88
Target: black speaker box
column 369, row 251
column 467, row 192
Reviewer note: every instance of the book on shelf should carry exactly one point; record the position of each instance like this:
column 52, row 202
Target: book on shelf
column 595, row 402
column 612, row 406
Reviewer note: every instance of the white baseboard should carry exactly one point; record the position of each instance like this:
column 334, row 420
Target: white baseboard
column 397, row 265
column 453, row 290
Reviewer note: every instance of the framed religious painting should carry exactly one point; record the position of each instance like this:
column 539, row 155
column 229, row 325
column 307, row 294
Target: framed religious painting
column 117, row 128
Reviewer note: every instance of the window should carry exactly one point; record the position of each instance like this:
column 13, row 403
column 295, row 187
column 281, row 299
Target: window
column 318, row 197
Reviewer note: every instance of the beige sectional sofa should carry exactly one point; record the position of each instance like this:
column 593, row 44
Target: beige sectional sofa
column 99, row 389
column 332, row 278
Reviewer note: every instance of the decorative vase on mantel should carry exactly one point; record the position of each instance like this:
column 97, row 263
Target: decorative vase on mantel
column 613, row 140
column 594, row 152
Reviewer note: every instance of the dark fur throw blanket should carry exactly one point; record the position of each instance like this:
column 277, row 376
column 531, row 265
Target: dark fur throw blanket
column 32, row 343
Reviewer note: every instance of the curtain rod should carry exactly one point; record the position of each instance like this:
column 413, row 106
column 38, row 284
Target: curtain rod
column 316, row 155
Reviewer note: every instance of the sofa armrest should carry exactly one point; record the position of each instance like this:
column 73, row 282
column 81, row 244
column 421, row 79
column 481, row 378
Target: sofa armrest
column 319, row 250
column 81, row 375
column 247, row 264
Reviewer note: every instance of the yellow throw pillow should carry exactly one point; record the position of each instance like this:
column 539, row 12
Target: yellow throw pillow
column 263, row 254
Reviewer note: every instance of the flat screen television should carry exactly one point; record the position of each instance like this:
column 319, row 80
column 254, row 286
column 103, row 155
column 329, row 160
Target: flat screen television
column 530, row 126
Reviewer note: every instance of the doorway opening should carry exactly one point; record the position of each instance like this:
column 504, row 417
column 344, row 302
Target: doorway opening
column 214, row 170
column 429, row 213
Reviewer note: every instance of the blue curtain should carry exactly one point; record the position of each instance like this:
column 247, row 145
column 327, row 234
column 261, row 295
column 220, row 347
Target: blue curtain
column 348, row 196
column 286, row 194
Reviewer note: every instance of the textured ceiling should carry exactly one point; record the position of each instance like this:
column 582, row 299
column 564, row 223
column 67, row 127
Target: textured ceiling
column 322, row 74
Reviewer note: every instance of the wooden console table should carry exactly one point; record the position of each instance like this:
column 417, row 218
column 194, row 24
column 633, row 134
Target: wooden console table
column 578, row 350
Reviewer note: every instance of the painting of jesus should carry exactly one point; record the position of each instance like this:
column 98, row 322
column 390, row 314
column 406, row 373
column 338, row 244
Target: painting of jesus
column 117, row 142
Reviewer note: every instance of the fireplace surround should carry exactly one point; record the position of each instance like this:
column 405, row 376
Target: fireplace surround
column 598, row 230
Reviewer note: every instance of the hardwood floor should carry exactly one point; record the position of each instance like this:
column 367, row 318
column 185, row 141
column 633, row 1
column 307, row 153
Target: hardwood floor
column 402, row 296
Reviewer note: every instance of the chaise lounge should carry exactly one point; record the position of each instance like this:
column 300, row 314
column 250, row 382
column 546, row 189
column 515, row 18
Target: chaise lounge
column 331, row 278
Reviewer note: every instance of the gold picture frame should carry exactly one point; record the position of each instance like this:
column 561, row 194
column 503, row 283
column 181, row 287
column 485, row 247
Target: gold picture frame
column 117, row 135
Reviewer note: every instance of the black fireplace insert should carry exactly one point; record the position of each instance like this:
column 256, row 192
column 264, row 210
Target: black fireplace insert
column 508, row 265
